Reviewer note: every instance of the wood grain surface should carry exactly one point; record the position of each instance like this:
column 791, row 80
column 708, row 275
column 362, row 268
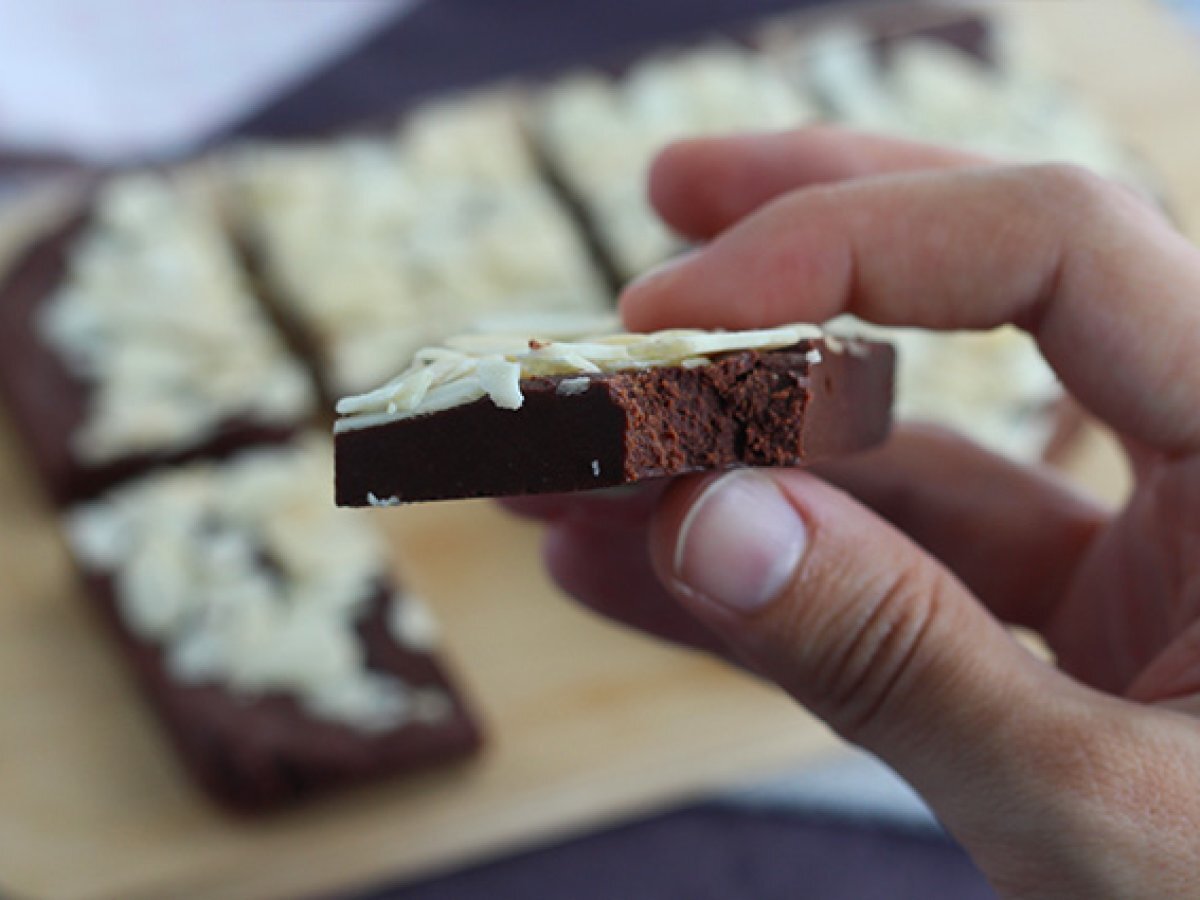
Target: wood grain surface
column 587, row 723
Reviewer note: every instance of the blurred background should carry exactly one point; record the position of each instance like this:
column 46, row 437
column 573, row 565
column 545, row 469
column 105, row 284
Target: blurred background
column 217, row 219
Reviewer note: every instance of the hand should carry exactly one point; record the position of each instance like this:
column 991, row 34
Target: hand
column 874, row 589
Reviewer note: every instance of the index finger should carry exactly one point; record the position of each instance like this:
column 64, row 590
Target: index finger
column 1110, row 291
column 703, row 185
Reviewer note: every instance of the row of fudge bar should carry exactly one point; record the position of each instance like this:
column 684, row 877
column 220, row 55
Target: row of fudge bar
column 162, row 403
column 170, row 419
column 990, row 95
column 374, row 246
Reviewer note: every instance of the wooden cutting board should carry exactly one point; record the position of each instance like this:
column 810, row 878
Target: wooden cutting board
column 586, row 722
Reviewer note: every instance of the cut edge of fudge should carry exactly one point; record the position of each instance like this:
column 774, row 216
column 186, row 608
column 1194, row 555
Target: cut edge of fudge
column 254, row 748
column 497, row 416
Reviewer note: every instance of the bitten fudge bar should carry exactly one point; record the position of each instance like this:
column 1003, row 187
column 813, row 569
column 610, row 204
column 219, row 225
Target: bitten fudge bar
column 130, row 339
column 493, row 416
column 263, row 626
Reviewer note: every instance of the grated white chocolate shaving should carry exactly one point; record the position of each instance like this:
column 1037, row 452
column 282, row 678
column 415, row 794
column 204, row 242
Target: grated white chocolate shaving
column 247, row 576
column 501, row 378
column 569, row 387
column 472, row 366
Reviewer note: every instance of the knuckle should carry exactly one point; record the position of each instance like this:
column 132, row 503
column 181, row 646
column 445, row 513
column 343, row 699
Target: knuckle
column 871, row 652
column 1077, row 188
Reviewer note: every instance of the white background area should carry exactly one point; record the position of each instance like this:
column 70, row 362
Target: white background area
column 113, row 79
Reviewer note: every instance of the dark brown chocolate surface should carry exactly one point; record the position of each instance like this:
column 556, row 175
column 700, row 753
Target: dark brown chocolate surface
column 745, row 409
column 48, row 403
column 252, row 755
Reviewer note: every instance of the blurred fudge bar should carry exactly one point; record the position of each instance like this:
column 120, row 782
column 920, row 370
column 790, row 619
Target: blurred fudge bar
column 375, row 246
column 262, row 625
column 131, row 339
column 601, row 133
column 998, row 99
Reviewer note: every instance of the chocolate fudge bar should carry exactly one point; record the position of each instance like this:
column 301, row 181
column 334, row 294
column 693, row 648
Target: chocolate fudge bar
column 490, row 416
column 262, row 625
column 374, row 246
column 129, row 340
column 974, row 82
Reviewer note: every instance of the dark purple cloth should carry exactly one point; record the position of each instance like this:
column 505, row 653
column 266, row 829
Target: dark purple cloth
column 717, row 853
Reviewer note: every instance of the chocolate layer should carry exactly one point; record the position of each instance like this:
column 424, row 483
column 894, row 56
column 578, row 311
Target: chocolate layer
column 745, row 409
column 49, row 404
column 255, row 754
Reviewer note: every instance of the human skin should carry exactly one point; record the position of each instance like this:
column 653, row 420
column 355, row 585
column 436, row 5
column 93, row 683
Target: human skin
column 875, row 590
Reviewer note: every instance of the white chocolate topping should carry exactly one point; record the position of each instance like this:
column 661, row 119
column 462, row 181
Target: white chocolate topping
column 472, row 366
column 154, row 316
column 380, row 246
column 247, row 576
column 603, row 133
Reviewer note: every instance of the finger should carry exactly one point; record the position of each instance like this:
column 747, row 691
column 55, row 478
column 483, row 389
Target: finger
column 628, row 504
column 1174, row 674
column 608, row 569
column 1108, row 289
column 850, row 617
column 1014, row 534
column 702, row 186
column 874, row 636
column 1149, row 648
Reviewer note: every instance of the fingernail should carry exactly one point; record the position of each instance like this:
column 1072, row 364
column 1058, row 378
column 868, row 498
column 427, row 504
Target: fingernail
column 662, row 269
column 740, row 543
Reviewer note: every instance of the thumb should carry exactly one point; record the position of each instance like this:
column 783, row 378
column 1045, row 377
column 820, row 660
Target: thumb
column 861, row 626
